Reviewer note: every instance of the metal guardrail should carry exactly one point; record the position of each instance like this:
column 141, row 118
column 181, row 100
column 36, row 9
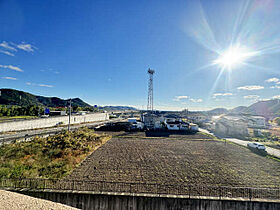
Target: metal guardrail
column 153, row 188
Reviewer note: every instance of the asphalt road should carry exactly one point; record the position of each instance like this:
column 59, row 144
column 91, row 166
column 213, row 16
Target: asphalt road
column 271, row 151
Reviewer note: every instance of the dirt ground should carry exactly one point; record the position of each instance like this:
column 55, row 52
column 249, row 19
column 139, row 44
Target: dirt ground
column 186, row 159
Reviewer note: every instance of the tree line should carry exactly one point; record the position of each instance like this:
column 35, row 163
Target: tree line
column 11, row 111
column 33, row 110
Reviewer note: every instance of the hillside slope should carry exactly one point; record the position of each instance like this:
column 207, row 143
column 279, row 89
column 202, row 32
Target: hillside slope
column 21, row 98
column 264, row 108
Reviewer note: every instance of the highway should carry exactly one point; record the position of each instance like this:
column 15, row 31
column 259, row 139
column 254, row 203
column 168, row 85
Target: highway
column 11, row 136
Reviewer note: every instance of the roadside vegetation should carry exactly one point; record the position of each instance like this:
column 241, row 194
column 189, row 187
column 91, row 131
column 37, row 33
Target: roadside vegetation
column 49, row 157
column 12, row 111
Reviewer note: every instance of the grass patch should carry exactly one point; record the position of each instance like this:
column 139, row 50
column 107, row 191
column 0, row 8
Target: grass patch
column 212, row 137
column 49, row 157
column 273, row 158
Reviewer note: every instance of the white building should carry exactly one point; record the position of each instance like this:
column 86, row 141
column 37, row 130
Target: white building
column 176, row 125
column 256, row 122
column 231, row 126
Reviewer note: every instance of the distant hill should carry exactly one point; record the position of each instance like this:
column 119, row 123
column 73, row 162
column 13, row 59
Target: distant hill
column 269, row 108
column 218, row 111
column 21, row 98
column 238, row 110
column 264, row 108
column 117, row 108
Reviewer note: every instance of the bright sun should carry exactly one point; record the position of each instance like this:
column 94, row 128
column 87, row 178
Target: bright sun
column 233, row 56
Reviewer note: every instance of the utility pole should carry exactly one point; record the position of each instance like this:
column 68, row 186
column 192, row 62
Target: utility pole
column 69, row 115
column 150, row 105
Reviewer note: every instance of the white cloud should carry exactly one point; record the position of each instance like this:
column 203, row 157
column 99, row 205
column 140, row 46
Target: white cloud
column 251, row 87
column 275, row 86
column 7, row 46
column 9, row 78
column 276, row 97
column 44, row 85
column 7, row 49
column 26, row 47
column 274, row 79
column 11, row 48
column 49, row 70
column 178, row 98
column 7, row 53
column 215, row 95
column 15, row 68
column 196, row 100
column 252, row 97
column 264, row 99
column 40, row 85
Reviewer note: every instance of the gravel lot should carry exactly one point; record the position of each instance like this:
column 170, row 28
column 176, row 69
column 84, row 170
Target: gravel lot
column 16, row 201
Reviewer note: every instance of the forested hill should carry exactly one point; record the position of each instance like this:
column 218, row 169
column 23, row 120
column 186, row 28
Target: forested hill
column 21, row 98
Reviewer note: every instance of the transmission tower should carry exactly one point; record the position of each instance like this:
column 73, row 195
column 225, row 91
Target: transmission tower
column 150, row 106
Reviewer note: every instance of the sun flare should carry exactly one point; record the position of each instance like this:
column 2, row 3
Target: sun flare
column 233, row 56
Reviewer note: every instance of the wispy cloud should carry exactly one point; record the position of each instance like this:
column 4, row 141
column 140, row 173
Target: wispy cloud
column 252, row 97
column 274, row 80
column 44, row 85
column 7, row 46
column 49, row 71
column 9, row 78
column 7, row 52
column 275, row 86
column 178, row 98
column 11, row 48
column 251, row 87
column 40, row 85
column 276, row 97
column 215, row 95
column 15, row 68
column 26, row 47
column 199, row 100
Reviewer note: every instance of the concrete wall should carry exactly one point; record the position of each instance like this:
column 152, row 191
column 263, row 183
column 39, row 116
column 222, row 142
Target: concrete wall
column 119, row 202
column 50, row 122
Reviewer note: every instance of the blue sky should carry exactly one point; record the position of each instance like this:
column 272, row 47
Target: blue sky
column 100, row 51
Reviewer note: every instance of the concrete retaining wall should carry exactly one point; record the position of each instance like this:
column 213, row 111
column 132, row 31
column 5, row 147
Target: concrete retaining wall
column 52, row 121
column 118, row 202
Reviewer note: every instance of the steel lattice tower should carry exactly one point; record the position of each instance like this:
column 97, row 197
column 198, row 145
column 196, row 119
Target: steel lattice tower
column 150, row 106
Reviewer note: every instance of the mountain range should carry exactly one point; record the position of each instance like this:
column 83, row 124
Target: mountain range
column 21, row 98
column 268, row 108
